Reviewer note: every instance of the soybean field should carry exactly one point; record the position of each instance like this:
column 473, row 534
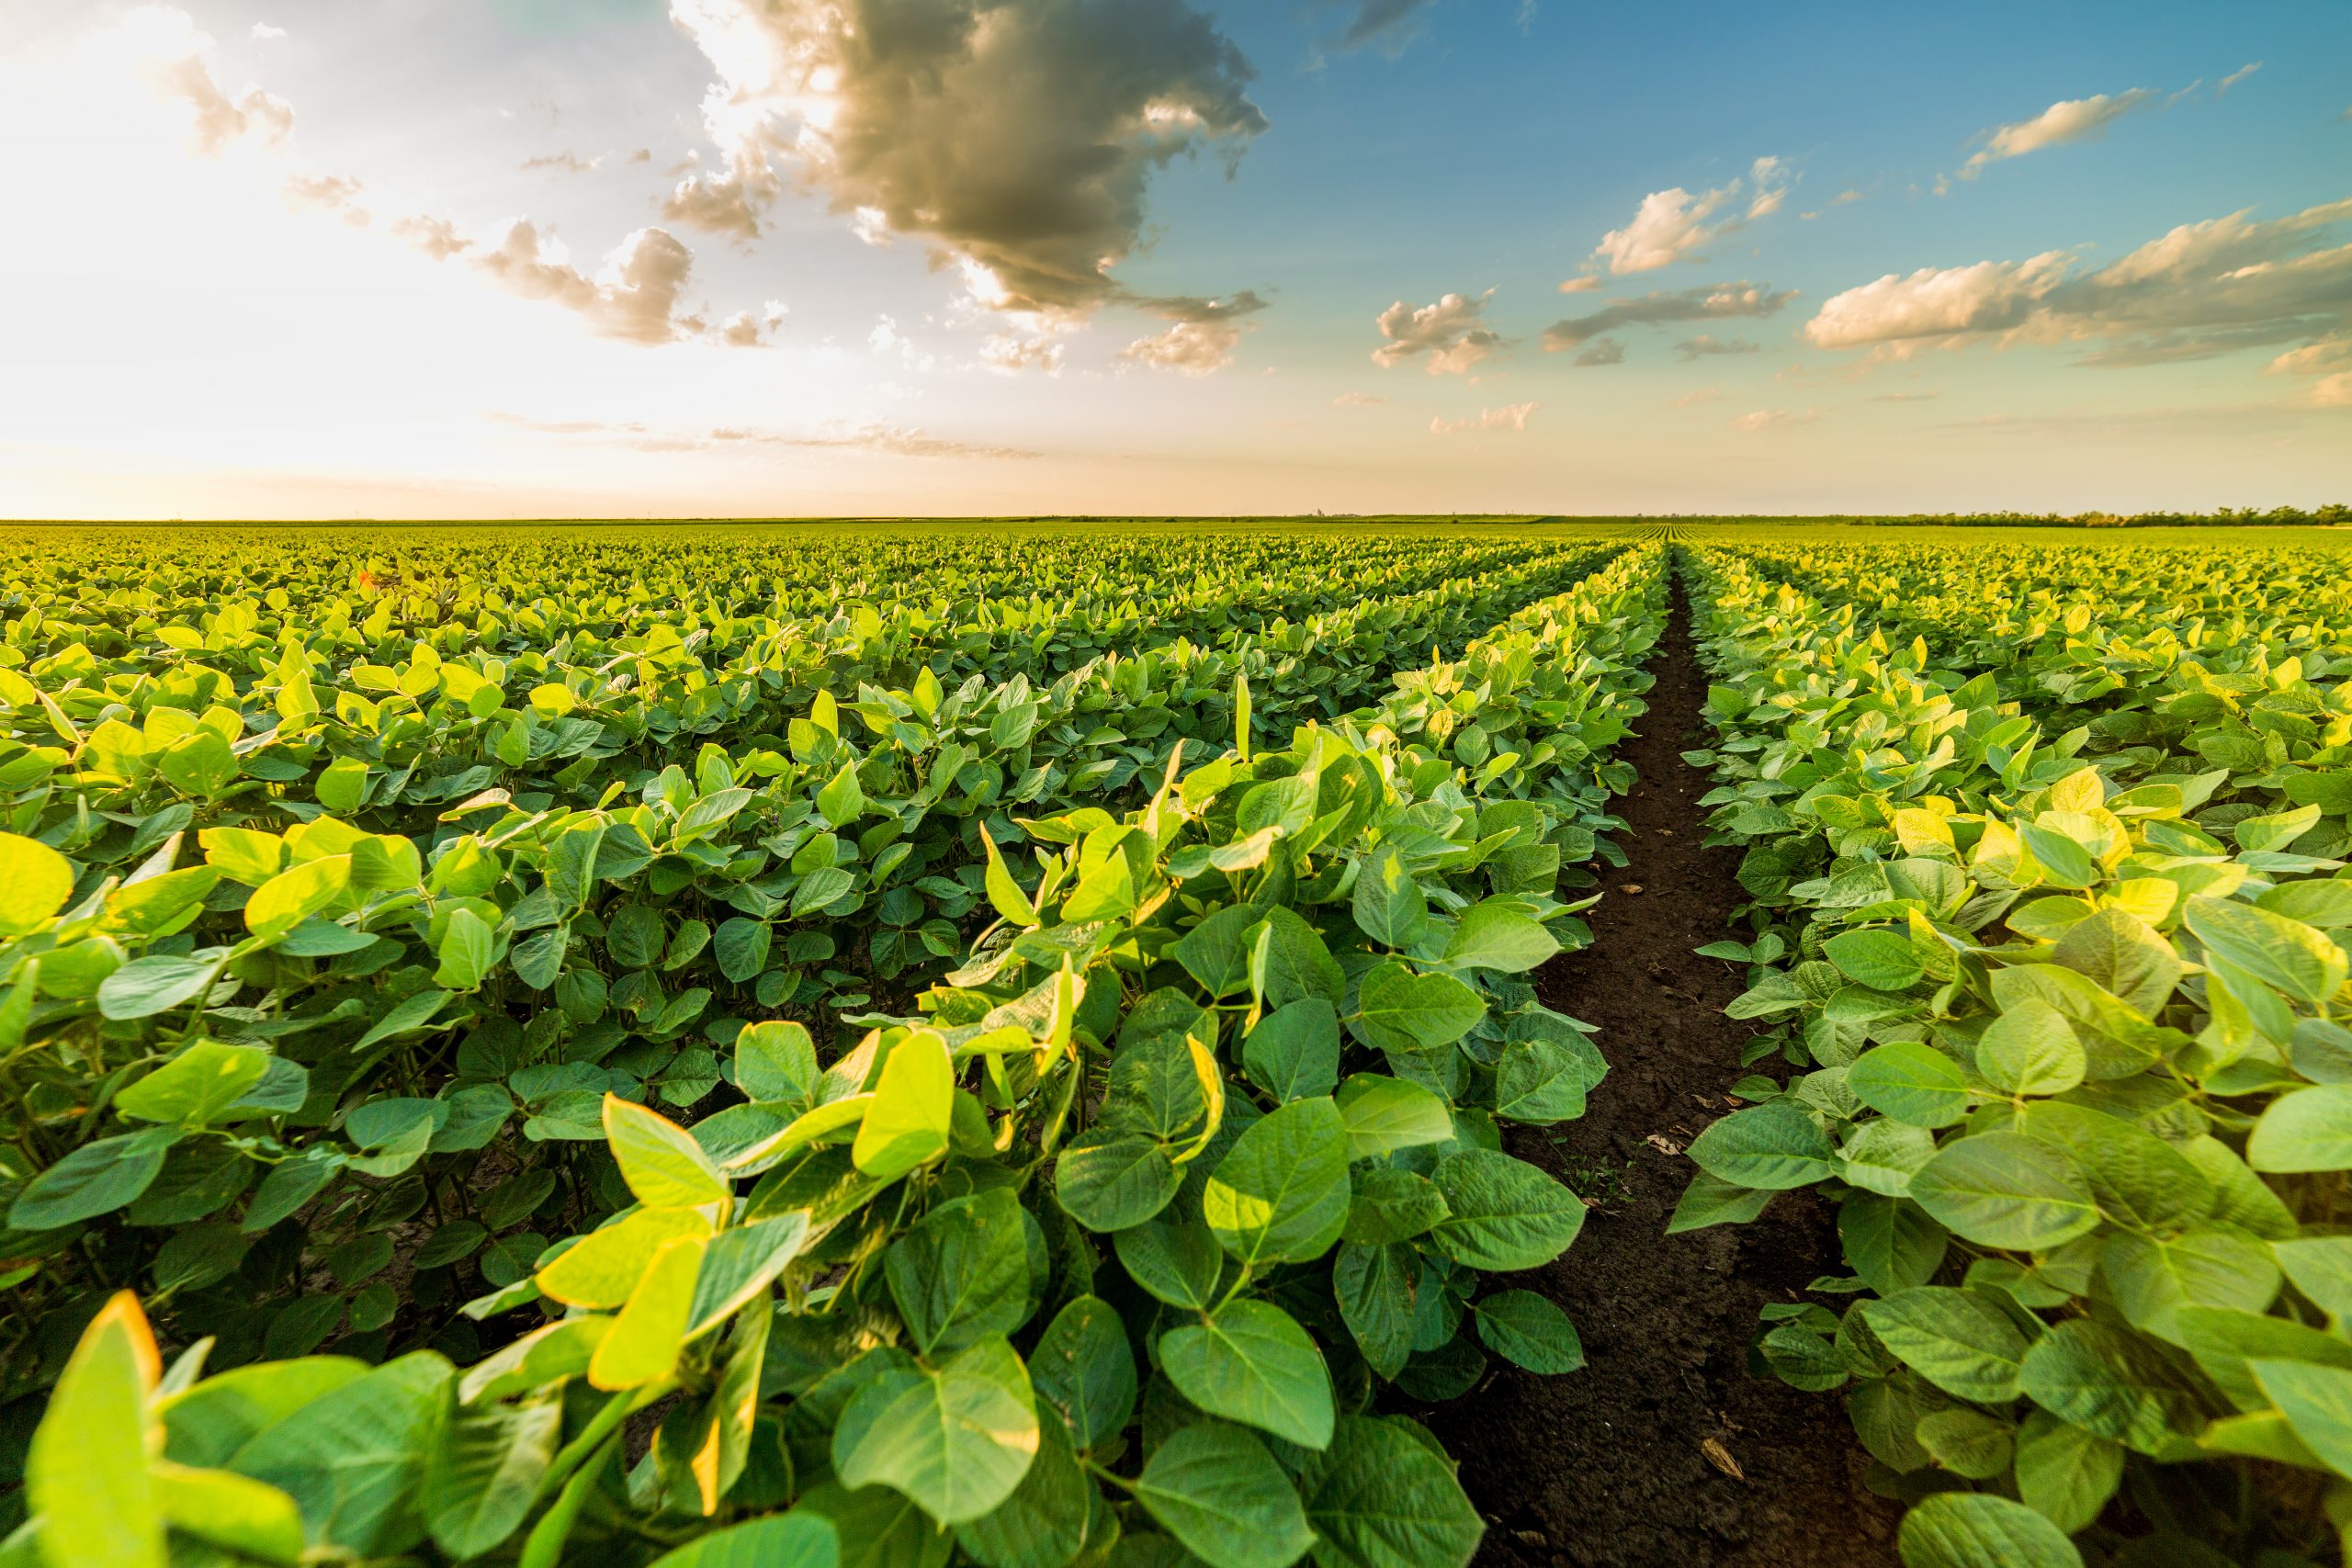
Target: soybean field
column 1041, row 1044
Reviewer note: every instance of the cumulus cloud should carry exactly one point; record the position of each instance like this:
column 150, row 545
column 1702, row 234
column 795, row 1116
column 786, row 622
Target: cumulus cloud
column 1012, row 354
column 1602, row 351
column 329, row 193
column 171, row 52
column 567, row 163
column 1511, row 416
column 2201, row 290
column 635, row 297
column 746, row 330
column 1703, row 395
column 1772, row 419
column 1192, row 348
column 263, row 32
column 1584, row 284
column 2069, row 119
column 1677, row 225
column 1014, row 138
column 1450, row 332
column 437, row 237
column 2328, row 363
column 1707, row 343
column 1711, row 302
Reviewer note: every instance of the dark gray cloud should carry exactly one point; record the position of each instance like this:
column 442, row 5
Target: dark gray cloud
column 1386, row 22
column 1602, row 351
column 1013, row 137
column 1708, row 302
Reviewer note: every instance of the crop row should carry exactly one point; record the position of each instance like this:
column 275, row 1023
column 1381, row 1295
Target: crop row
column 2047, row 911
column 1110, row 1231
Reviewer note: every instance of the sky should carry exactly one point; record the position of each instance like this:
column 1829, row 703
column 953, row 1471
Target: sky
column 493, row 258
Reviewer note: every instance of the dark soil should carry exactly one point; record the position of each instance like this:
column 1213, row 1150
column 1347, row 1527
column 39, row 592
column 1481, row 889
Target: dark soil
column 1664, row 1449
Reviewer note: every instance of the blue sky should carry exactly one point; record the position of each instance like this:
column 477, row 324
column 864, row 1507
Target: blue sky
column 433, row 257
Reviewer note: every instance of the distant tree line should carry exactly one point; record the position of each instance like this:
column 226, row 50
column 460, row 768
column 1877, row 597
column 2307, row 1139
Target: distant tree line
column 2335, row 514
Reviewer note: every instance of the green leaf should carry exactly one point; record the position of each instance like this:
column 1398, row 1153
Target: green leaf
column 1883, row 960
column 659, row 1160
column 195, row 1086
column 1251, row 1362
column 1005, row 893
column 741, row 1263
column 840, row 802
column 1400, row 1010
column 1977, row 1529
column 1505, row 1215
column 86, row 1473
column 2320, row 1266
column 2065, row 1474
column 1384, row 1498
column 1388, row 904
column 775, row 1061
column 294, row 895
column 35, row 882
column 1375, row 1287
column 481, row 1479
column 1293, row 1054
column 1280, row 1195
column 1045, row 1523
column 961, row 1274
column 913, row 1101
column 1497, row 936
column 155, row 983
column 1387, row 1205
column 1773, row 1146
column 643, row 1345
column 1083, row 1367
column 230, row 1512
column 1711, row 1201
column 1215, row 1488
column 2317, row 1402
column 1216, row 952
column 1539, row 1081
column 2310, row 1129
column 2110, row 1384
column 1531, row 1331
column 468, row 947
column 1962, row 1342
column 2006, row 1189
column 605, row 1265
column 1176, row 1263
column 1108, row 1181
column 353, row 1462
column 794, row 1540
column 2032, row 1049
column 1383, row 1114
column 2282, row 953
column 97, row 1179
column 955, row 1440
column 2152, row 1279
column 1913, row 1083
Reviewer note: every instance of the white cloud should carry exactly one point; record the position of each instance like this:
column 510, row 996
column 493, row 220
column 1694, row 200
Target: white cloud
column 745, row 330
column 170, row 49
column 1357, row 400
column 1772, row 419
column 1703, row 395
column 1192, row 348
column 1676, row 225
column 1583, row 284
column 1602, row 351
column 2328, row 363
column 329, row 193
column 2069, row 119
column 2202, row 289
column 1013, row 352
column 567, row 161
column 263, row 32
column 1015, row 137
column 635, row 296
column 1511, row 416
column 1450, row 332
column 2234, row 77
